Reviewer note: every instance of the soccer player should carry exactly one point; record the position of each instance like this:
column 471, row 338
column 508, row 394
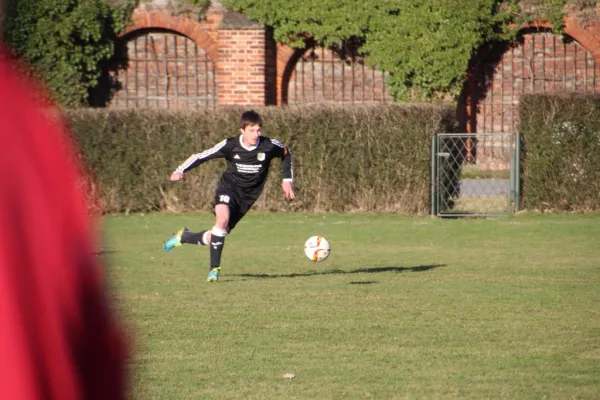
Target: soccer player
column 248, row 159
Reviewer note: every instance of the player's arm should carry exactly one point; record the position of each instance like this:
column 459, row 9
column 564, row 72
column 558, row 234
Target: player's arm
column 287, row 168
column 196, row 159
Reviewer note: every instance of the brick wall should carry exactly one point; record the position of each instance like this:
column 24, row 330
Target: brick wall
column 164, row 71
column 326, row 75
column 541, row 62
column 236, row 62
column 241, row 67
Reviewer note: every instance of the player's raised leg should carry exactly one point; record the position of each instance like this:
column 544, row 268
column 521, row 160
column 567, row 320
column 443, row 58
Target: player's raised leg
column 184, row 236
column 174, row 241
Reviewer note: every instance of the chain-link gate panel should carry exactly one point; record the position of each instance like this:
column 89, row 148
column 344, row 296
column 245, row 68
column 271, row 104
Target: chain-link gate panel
column 474, row 174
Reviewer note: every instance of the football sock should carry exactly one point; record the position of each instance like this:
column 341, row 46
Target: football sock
column 194, row 237
column 217, row 242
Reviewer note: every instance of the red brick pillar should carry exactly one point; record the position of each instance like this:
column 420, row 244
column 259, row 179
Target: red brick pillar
column 241, row 64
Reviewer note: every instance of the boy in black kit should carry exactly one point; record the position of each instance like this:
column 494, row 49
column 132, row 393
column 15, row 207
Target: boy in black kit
column 248, row 159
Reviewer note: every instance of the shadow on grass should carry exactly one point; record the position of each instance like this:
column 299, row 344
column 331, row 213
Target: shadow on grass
column 364, row 270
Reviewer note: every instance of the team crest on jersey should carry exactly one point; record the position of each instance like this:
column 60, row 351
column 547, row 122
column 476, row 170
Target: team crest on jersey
column 260, row 156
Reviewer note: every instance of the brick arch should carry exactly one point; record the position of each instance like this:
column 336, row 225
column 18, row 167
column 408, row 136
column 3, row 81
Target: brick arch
column 539, row 62
column 287, row 56
column 586, row 37
column 317, row 74
column 286, row 61
column 144, row 20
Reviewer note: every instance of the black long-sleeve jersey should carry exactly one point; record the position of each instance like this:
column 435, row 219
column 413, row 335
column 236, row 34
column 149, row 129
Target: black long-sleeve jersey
column 247, row 167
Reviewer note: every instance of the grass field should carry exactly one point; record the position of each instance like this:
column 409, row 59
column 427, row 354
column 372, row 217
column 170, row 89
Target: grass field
column 404, row 308
column 491, row 204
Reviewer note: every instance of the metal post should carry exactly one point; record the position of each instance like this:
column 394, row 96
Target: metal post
column 433, row 175
column 518, row 173
column 512, row 176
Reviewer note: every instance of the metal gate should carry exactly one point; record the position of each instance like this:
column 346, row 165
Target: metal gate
column 474, row 174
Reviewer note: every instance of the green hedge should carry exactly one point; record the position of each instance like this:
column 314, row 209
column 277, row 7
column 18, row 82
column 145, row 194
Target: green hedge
column 561, row 152
column 359, row 158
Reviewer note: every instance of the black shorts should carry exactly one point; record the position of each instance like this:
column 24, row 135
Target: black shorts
column 237, row 206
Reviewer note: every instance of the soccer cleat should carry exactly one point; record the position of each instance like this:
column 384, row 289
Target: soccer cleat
column 213, row 274
column 175, row 241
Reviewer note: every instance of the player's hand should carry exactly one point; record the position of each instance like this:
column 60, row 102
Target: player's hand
column 288, row 189
column 176, row 176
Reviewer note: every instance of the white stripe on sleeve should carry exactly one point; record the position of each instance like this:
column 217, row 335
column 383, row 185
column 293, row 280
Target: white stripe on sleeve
column 277, row 143
column 199, row 156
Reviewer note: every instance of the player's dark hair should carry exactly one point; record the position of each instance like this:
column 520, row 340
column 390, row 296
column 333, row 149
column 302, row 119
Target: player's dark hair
column 250, row 118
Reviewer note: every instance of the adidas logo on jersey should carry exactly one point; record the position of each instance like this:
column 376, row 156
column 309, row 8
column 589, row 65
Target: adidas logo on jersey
column 236, row 157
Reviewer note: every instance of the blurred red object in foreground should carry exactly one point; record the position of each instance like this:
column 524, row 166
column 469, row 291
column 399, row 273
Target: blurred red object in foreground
column 59, row 338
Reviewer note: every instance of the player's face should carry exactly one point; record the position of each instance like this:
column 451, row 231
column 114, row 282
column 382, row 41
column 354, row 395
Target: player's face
column 251, row 134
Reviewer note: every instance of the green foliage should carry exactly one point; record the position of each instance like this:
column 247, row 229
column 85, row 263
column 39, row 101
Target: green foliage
column 546, row 10
column 198, row 3
column 195, row 3
column 65, row 41
column 426, row 45
column 193, row 9
column 562, row 152
column 132, row 153
column 327, row 21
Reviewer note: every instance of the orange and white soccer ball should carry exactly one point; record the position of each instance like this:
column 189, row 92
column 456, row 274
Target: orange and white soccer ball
column 317, row 248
